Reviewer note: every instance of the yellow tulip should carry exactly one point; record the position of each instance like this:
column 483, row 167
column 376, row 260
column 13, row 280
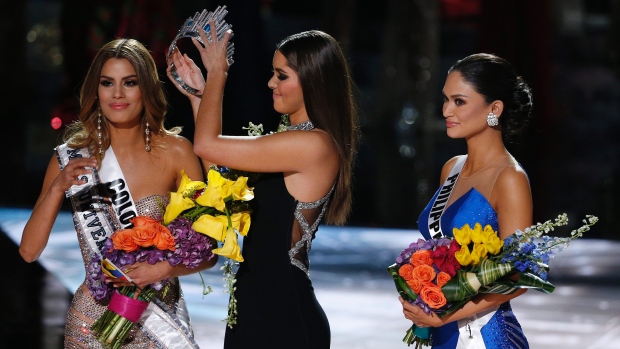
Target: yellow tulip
column 213, row 226
column 231, row 248
column 493, row 244
column 463, row 256
column 463, row 235
column 241, row 222
column 476, row 234
column 178, row 203
column 478, row 253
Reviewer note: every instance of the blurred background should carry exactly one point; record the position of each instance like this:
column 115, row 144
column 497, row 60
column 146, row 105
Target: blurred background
column 399, row 52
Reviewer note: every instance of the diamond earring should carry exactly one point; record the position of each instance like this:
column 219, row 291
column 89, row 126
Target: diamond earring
column 99, row 132
column 492, row 119
column 148, row 138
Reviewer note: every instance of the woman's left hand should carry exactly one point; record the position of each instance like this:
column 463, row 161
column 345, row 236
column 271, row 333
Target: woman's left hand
column 418, row 316
column 143, row 274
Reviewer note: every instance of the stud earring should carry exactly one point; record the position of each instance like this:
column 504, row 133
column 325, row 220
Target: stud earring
column 492, row 119
column 99, row 132
column 148, row 138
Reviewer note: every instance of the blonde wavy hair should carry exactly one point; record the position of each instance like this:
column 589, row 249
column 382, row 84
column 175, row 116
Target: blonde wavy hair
column 83, row 133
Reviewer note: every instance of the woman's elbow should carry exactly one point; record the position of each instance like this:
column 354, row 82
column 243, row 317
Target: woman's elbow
column 28, row 256
column 204, row 150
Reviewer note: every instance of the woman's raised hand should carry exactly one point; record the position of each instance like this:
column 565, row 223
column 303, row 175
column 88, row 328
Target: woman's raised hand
column 73, row 172
column 187, row 70
column 213, row 54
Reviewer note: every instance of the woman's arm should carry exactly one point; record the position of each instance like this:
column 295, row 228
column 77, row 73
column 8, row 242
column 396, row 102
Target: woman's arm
column 144, row 274
column 293, row 151
column 37, row 230
column 476, row 305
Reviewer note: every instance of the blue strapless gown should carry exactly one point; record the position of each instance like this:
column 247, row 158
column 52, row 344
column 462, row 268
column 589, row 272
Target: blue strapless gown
column 503, row 331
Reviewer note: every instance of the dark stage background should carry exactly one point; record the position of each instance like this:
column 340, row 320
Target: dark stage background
column 399, row 51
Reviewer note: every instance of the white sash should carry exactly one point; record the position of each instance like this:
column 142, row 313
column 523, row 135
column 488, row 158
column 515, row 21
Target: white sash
column 92, row 218
column 439, row 205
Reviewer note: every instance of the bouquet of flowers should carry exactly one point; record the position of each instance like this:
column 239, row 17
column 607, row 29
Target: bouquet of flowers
column 191, row 222
column 148, row 241
column 218, row 209
column 441, row 275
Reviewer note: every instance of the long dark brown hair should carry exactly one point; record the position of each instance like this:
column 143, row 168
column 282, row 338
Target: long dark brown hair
column 83, row 133
column 327, row 88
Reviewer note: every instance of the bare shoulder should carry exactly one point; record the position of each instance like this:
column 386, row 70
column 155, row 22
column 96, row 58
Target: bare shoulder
column 180, row 153
column 315, row 145
column 177, row 143
column 447, row 167
column 512, row 200
column 512, row 179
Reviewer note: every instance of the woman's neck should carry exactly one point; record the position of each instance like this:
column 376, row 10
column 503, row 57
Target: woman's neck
column 126, row 138
column 481, row 152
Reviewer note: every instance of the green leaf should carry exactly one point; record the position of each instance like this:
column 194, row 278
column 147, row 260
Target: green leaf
column 401, row 285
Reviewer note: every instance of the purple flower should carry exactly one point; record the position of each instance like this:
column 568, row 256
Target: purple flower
column 192, row 248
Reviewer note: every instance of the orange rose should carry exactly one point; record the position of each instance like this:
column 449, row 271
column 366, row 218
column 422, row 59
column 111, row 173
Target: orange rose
column 442, row 278
column 123, row 240
column 140, row 221
column 144, row 235
column 415, row 285
column 424, row 273
column 164, row 240
column 405, row 271
column 422, row 257
column 432, row 296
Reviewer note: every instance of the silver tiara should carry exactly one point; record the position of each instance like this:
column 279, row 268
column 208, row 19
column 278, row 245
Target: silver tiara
column 189, row 29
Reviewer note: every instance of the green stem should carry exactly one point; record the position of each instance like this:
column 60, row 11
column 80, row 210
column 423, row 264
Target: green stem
column 122, row 335
column 109, row 326
column 117, row 328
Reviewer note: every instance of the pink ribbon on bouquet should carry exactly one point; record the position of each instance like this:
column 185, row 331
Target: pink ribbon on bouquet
column 127, row 307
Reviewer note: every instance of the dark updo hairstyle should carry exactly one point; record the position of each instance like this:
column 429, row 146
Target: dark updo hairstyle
column 496, row 79
column 327, row 88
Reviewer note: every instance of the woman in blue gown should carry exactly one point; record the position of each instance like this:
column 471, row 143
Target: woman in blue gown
column 484, row 101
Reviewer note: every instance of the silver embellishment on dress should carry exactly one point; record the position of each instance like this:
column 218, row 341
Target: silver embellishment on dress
column 308, row 230
column 304, row 126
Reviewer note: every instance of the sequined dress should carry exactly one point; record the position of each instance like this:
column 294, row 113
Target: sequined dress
column 495, row 328
column 276, row 304
column 84, row 310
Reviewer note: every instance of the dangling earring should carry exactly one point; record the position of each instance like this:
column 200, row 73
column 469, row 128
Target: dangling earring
column 99, row 132
column 148, row 138
column 492, row 119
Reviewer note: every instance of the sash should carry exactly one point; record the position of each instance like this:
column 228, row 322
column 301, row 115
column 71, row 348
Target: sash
column 104, row 205
column 439, row 205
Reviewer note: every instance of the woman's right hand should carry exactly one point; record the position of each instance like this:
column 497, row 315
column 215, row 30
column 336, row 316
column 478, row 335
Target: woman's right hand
column 73, row 173
column 188, row 71
column 214, row 53
column 56, row 182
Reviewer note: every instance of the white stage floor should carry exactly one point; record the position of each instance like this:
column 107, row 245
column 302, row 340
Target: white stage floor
column 348, row 272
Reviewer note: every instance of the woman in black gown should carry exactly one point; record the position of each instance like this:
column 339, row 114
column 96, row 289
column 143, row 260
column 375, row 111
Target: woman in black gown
column 306, row 175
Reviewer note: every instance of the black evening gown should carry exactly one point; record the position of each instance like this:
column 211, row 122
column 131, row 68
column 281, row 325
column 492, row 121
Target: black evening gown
column 276, row 304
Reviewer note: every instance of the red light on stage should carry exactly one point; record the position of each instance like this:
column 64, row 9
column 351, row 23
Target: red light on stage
column 56, row 123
